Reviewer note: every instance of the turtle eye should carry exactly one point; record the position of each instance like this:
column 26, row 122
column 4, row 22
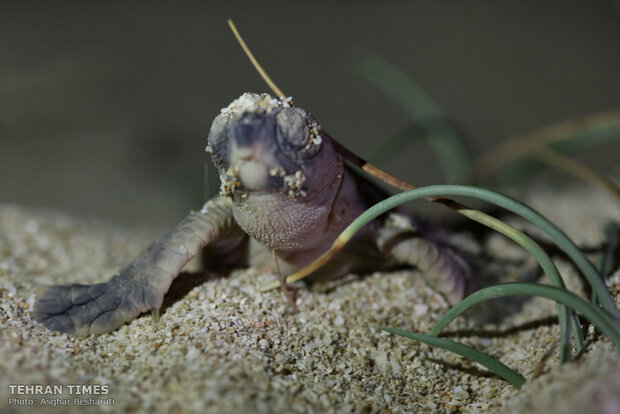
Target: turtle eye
column 298, row 133
column 292, row 128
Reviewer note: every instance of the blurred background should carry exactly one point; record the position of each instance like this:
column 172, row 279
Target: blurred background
column 105, row 106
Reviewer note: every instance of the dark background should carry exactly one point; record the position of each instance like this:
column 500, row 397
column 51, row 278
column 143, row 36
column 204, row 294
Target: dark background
column 105, row 106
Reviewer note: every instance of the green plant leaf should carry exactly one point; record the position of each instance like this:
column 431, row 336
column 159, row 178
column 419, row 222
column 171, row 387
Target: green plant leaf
column 442, row 137
column 492, row 364
column 592, row 313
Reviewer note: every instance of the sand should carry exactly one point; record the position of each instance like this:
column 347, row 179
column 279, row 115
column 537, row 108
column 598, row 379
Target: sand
column 222, row 347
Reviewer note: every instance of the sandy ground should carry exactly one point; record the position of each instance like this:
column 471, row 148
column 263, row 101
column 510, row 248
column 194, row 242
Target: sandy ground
column 221, row 346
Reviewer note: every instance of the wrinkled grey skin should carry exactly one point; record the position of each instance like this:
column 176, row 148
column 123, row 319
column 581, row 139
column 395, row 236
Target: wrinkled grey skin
column 284, row 189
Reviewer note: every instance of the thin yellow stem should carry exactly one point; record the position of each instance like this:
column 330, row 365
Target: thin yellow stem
column 579, row 170
column 311, row 268
column 257, row 65
column 512, row 149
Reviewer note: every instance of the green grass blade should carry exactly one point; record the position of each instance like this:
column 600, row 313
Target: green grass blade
column 606, row 259
column 443, row 138
column 532, row 247
column 492, row 364
column 595, row 315
column 595, row 135
column 565, row 315
column 559, row 237
column 577, row 332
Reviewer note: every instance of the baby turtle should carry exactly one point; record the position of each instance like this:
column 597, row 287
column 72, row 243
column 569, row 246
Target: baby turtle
column 284, row 189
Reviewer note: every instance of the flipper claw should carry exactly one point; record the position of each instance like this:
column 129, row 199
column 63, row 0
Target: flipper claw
column 155, row 315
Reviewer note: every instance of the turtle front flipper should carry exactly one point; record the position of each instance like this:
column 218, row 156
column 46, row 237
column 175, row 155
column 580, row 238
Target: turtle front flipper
column 444, row 269
column 102, row 307
column 139, row 287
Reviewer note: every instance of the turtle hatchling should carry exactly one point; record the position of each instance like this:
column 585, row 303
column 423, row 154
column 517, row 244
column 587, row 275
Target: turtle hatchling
column 285, row 193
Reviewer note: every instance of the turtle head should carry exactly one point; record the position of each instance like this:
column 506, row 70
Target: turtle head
column 280, row 170
column 262, row 144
